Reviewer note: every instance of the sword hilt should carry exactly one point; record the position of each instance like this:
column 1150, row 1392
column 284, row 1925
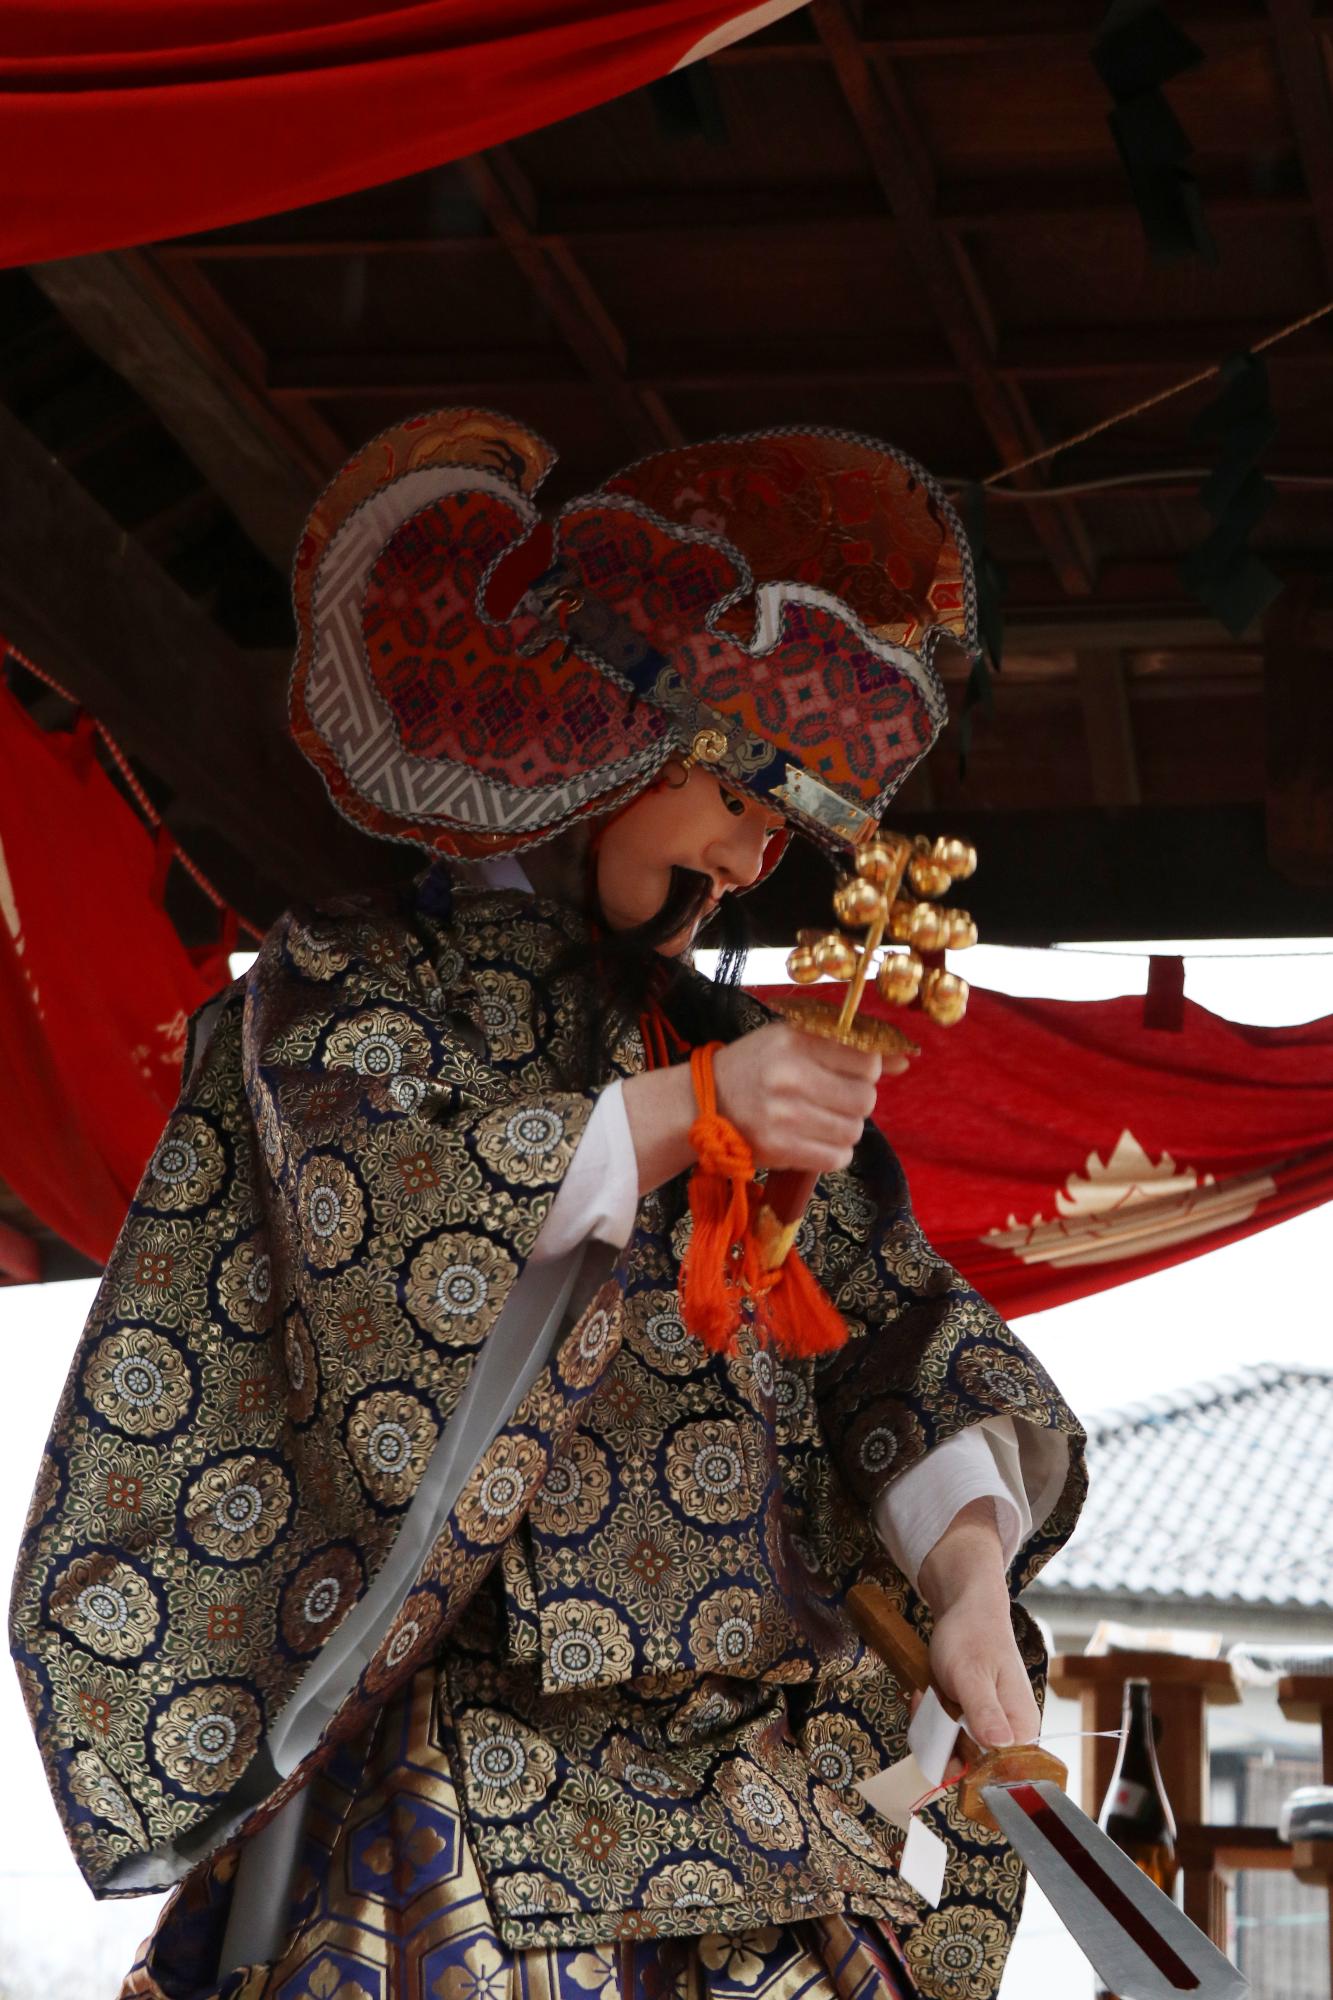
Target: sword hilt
column 903, row 1650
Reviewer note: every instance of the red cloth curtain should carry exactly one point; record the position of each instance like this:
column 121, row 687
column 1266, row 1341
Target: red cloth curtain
column 95, row 986
column 126, row 121
column 1055, row 1147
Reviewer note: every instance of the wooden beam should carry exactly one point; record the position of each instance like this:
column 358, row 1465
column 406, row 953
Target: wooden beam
column 1087, row 876
column 204, row 382
column 556, row 277
column 1115, row 629
column 603, row 219
column 1108, row 727
column 883, row 117
column 1298, row 704
column 1303, row 53
column 981, row 38
column 843, row 361
column 84, row 600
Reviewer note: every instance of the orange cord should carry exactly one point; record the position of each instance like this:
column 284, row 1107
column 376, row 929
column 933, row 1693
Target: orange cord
column 723, row 1269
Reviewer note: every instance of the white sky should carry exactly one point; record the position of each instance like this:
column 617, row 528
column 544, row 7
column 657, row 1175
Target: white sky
column 1265, row 1298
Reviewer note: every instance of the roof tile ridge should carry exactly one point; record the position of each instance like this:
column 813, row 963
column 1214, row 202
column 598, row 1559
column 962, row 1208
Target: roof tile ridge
column 1249, row 1380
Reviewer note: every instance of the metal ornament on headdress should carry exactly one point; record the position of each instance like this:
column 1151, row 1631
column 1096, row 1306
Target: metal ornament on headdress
column 474, row 679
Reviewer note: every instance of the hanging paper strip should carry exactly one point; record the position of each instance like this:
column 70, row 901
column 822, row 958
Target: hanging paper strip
column 95, row 986
column 1224, row 573
column 1138, row 49
column 1054, row 1147
column 990, row 586
column 129, row 124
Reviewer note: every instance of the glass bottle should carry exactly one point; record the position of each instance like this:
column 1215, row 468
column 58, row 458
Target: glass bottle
column 1136, row 1812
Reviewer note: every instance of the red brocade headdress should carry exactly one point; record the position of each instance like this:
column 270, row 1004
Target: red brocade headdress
column 474, row 677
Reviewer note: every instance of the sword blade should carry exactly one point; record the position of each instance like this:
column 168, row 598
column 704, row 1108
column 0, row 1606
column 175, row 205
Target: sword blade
column 1140, row 1944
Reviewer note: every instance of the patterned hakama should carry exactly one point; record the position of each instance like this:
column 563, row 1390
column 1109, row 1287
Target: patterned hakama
column 386, row 1903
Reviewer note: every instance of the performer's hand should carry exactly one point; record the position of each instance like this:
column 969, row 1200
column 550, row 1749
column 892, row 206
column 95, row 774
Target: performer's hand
column 800, row 1101
column 974, row 1656
column 975, row 1660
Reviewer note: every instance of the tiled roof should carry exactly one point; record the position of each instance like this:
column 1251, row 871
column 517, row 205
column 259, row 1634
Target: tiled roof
column 1222, row 1493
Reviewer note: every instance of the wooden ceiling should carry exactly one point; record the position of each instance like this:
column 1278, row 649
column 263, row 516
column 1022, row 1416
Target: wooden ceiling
column 907, row 219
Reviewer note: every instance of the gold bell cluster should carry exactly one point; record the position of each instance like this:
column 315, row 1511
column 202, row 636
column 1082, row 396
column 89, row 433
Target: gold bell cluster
column 907, row 928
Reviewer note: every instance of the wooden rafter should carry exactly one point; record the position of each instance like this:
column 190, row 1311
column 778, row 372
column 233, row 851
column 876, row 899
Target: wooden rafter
column 884, row 122
column 91, row 607
column 171, row 337
column 555, row 275
column 1108, row 727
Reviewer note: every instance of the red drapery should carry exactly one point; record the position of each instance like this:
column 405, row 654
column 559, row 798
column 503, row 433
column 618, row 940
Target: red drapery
column 1055, row 1147
column 126, row 121
column 95, row 986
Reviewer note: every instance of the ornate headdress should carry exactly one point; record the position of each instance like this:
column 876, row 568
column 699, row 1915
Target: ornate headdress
column 473, row 677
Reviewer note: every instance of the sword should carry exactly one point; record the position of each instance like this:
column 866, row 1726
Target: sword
column 1140, row 1944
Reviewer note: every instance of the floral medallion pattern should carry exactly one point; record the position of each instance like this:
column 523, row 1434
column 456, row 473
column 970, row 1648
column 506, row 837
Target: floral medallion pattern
column 332, row 1211
column 92, row 1785
column 158, row 1272
column 509, row 1767
column 526, row 1146
column 499, row 1007
column 186, row 1166
column 138, row 1381
column 390, row 1436
column 496, row 1495
column 705, row 1466
column 572, row 1498
column 378, row 1044
column 454, row 1282
column 106, row 1605
column 415, row 1181
column 662, row 1337
column 298, row 1351
column 766, row 1812
column 319, row 1597
column 204, row 1739
column 959, row 1954
column 584, row 1644
column 245, row 1287
column 237, row 1507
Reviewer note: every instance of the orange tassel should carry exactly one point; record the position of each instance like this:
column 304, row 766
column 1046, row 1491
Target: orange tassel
column 722, row 1267
column 801, row 1316
column 710, row 1295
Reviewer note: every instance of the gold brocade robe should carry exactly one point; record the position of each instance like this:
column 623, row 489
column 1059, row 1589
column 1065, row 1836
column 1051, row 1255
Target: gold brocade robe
column 652, row 1705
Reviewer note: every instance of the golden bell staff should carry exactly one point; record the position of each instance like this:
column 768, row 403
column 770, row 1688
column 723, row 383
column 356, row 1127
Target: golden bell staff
column 871, row 900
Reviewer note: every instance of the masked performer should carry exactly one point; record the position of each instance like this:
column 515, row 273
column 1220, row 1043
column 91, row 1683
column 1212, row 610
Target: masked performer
column 438, row 1562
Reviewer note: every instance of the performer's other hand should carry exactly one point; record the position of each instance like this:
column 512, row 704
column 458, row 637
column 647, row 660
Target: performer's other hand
column 974, row 1656
column 975, row 1660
